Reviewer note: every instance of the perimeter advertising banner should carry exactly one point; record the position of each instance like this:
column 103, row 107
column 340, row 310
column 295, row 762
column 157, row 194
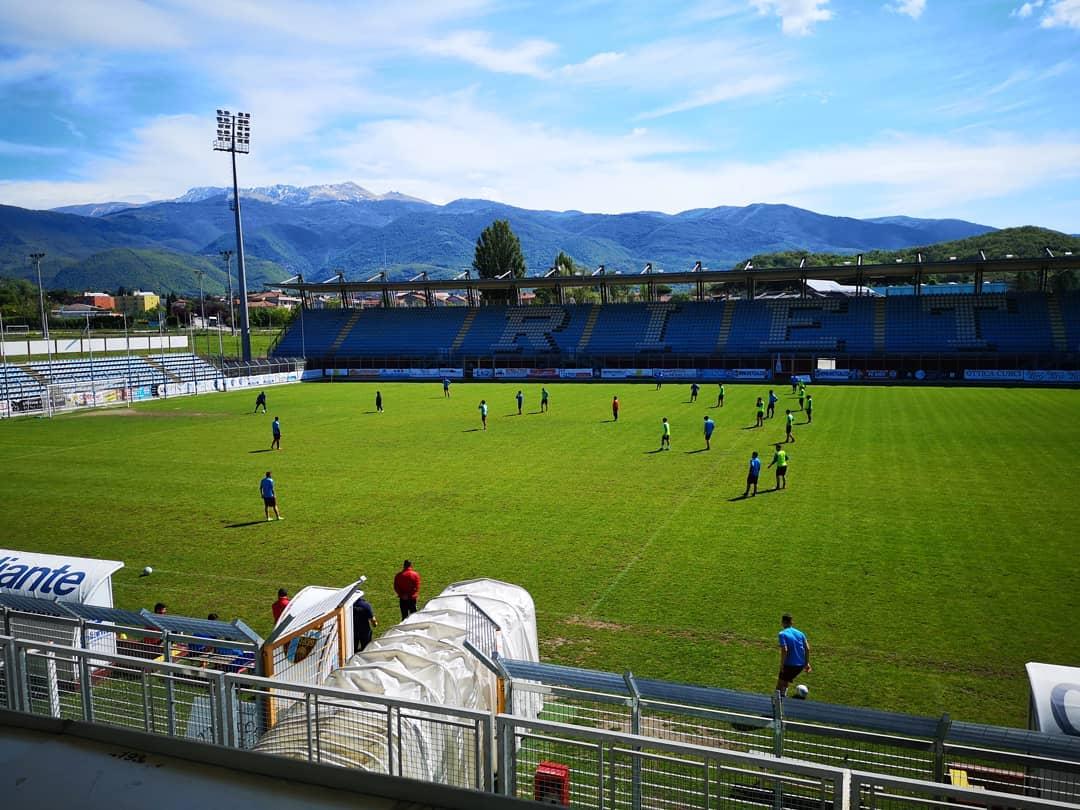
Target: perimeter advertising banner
column 834, row 374
column 993, row 375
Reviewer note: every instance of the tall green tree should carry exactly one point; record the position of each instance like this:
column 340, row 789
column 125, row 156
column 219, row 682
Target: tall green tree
column 498, row 251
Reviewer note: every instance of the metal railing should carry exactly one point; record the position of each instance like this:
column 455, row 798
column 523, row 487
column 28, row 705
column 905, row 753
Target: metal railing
column 603, row 767
column 448, row 745
column 609, row 769
column 915, row 748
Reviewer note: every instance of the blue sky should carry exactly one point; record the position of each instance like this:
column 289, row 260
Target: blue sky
column 958, row 108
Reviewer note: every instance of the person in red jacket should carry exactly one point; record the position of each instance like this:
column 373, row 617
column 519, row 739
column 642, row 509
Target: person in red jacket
column 407, row 587
column 279, row 606
column 615, row 409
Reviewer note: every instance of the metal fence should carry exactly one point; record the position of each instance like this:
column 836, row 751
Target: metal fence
column 481, row 631
column 599, row 767
column 936, row 750
column 448, row 745
column 606, row 769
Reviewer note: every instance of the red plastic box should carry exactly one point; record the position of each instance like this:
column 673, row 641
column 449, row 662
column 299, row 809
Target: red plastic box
column 551, row 784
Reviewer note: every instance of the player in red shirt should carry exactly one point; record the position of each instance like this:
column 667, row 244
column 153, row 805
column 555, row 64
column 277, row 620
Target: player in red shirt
column 407, row 587
column 279, row 606
column 615, row 409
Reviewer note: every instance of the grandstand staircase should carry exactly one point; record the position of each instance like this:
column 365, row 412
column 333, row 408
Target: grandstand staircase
column 725, row 325
column 1057, row 323
column 879, row 324
column 37, row 375
column 466, row 325
column 150, row 361
column 590, row 324
column 344, row 333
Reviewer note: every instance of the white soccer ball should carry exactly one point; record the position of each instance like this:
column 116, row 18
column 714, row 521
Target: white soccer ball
column 802, row 690
column 147, row 571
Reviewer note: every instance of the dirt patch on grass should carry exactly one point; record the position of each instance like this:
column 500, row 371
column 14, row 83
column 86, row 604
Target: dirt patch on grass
column 596, row 624
column 118, row 412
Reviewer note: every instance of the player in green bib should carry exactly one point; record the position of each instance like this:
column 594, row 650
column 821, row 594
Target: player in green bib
column 665, row 437
column 720, row 397
column 790, row 422
column 780, row 460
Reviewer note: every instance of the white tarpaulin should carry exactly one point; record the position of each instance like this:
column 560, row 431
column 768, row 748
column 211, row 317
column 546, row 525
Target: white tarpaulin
column 1055, row 698
column 58, row 579
column 422, row 659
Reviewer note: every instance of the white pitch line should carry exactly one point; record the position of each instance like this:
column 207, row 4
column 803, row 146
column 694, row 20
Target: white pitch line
column 645, row 547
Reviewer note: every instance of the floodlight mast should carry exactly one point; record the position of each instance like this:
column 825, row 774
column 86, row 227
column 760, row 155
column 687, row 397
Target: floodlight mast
column 234, row 135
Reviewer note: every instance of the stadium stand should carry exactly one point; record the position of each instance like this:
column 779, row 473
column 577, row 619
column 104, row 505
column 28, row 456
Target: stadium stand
column 1015, row 322
column 30, row 379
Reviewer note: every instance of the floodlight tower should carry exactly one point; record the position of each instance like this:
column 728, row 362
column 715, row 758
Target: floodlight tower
column 227, row 256
column 234, row 135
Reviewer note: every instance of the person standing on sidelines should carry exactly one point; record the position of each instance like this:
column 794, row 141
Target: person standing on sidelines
column 269, row 496
column 614, row 409
column 710, row 426
column 279, row 605
column 780, row 459
column 794, row 383
column 659, row 380
column 407, row 588
column 378, row 402
column 760, row 412
column 771, row 410
column 802, row 393
column 694, row 388
column 260, row 402
column 363, row 619
column 275, row 429
column 520, row 397
column 446, row 387
column 720, row 397
column 809, row 409
column 794, row 654
column 483, row 413
column 752, row 475
column 543, row 400
column 790, row 419
column 665, row 436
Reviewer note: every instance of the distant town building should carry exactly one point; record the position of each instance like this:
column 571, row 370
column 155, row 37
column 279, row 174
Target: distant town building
column 97, row 299
column 272, row 298
column 138, row 302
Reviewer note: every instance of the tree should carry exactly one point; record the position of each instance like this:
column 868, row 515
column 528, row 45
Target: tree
column 498, row 251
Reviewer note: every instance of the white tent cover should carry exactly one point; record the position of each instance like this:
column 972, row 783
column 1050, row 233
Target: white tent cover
column 1055, row 698
column 422, row 659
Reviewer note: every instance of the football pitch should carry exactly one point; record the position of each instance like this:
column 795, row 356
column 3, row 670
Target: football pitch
column 923, row 542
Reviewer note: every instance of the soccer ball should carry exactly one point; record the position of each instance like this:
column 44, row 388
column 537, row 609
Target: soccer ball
column 801, row 691
column 147, row 571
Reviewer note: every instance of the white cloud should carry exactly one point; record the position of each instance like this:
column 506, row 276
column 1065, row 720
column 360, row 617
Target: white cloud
column 475, row 48
column 13, row 149
column 122, row 24
column 797, row 17
column 731, row 70
column 449, row 147
column 912, row 8
column 1026, row 10
column 1061, row 14
column 728, row 91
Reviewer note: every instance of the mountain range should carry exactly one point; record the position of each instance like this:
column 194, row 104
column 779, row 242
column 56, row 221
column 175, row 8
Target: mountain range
column 318, row 230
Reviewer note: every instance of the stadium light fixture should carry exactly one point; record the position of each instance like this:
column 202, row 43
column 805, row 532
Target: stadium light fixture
column 227, row 256
column 234, row 136
column 36, row 259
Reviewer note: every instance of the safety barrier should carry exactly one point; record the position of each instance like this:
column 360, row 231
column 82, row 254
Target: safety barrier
column 588, row 766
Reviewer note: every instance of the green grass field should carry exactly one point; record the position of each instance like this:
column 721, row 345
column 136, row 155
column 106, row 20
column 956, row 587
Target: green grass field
column 923, row 542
